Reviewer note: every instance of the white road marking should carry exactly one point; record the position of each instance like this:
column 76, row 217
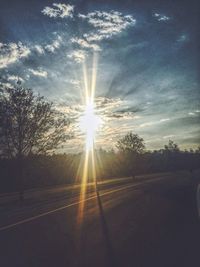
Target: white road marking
column 73, row 204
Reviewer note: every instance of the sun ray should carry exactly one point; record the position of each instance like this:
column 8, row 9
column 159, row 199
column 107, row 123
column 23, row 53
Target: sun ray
column 89, row 123
column 83, row 187
column 85, row 78
column 94, row 174
column 94, row 75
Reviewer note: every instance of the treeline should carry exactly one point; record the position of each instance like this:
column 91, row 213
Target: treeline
column 32, row 130
column 163, row 160
column 57, row 169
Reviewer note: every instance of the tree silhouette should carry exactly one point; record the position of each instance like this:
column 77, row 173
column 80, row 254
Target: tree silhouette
column 131, row 146
column 171, row 155
column 171, row 146
column 28, row 124
column 131, row 143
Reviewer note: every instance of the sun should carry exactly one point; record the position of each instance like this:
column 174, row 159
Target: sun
column 89, row 122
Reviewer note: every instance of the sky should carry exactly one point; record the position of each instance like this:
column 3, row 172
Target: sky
column 144, row 55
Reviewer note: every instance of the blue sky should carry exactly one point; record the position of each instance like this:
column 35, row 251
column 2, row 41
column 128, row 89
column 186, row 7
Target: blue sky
column 146, row 60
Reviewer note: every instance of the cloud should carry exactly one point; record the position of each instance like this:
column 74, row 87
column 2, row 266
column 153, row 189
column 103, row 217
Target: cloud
column 4, row 85
column 73, row 111
column 104, row 26
column 146, row 124
column 75, row 83
column 194, row 113
column 11, row 53
column 106, row 110
column 106, row 23
column 39, row 49
column 54, row 45
column 106, row 103
column 115, row 108
column 59, row 10
column 51, row 46
column 183, row 38
column 85, row 44
column 170, row 136
column 39, row 72
column 77, row 55
column 161, row 17
column 153, row 123
column 14, row 78
column 163, row 120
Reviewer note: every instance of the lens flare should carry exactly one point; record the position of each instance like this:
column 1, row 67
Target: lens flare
column 89, row 122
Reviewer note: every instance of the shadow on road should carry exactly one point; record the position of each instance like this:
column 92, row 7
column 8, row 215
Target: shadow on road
column 108, row 244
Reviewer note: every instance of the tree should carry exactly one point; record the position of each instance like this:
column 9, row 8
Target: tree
column 131, row 146
column 29, row 124
column 171, row 147
column 131, row 143
column 171, row 151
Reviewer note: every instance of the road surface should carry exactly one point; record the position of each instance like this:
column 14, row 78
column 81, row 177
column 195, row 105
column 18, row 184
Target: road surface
column 150, row 222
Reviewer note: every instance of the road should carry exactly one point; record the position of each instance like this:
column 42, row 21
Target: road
column 151, row 222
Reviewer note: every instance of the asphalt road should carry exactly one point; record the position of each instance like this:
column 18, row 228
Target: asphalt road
column 142, row 223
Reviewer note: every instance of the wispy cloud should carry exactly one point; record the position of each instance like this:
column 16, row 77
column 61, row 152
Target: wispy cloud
column 161, row 17
column 59, row 10
column 51, row 46
column 11, row 53
column 183, row 38
column 14, row 78
column 54, row 45
column 77, row 55
column 115, row 108
column 39, row 72
column 169, row 136
column 111, row 111
column 39, row 49
column 106, row 23
column 163, row 120
column 151, row 123
column 4, row 85
column 104, row 26
column 85, row 44
column 75, row 83
column 135, row 94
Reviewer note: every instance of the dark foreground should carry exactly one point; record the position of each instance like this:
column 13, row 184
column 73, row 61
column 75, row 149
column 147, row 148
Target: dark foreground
column 142, row 224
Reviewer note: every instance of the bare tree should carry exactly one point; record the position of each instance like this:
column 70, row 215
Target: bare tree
column 29, row 124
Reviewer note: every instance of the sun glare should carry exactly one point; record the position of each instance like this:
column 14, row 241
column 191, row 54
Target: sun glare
column 89, row 123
